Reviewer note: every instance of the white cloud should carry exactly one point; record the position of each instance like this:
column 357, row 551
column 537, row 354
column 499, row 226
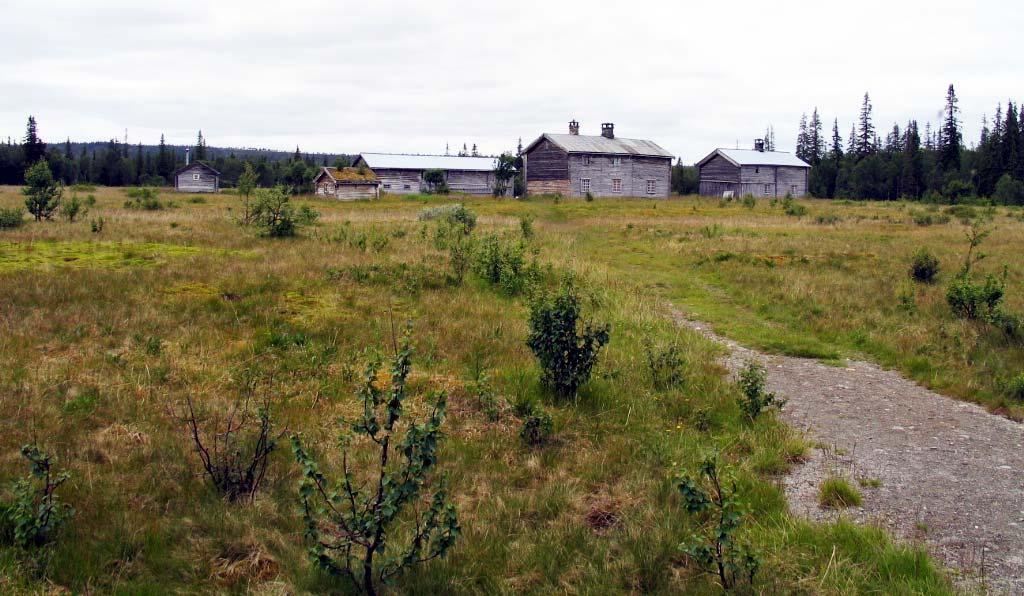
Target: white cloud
column 408, row 76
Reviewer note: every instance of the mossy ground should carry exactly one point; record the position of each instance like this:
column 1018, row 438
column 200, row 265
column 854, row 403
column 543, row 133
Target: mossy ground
column 95, row 361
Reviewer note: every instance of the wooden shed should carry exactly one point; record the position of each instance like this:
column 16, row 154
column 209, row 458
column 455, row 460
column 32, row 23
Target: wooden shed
column 196, row 177
column 753, row 171
column 403, row 174
column 604, row 166
column 347, row 184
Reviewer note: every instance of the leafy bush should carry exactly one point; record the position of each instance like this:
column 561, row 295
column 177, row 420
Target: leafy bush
column 274, row 214
column 454, row 214
column 1015, row 387
column 11, row 218
column 71, row 209
column 526, row 227
column 537, row 428
column 791, row 207
column 42, row 192
column 957, row 189
column 829, row 219
column 589, row 197
column 36, row 515
column 924, row 266
column 926, row 219
column 504, row 264
column 970, row 300
column 435, row 181
column 665, row 366
column 837, row 493
column 964, row 213
column 713, row 503
column 755, row 398
column 352, row 521
column 96, row 225
column 567, row 353
column 144, row 198
column 83, row 187
column 1009, row 191
column 749, row 201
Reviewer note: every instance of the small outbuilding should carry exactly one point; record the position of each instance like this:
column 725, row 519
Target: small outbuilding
column 576, row 165
column 196, row 177
column 347, row 184
column 753, row 171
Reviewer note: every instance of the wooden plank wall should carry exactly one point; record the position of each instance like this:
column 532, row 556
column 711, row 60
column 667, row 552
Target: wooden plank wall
column 207, row 182
column 633, row 171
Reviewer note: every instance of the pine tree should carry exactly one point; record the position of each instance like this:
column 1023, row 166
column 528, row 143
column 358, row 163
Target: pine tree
column 866, row 134
column 950, row 144
column 33, row 148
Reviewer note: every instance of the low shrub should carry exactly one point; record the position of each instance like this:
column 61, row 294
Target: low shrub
column 665, row 365
column 36, row 516
column 566, row 350
column 275, row 215
column 96, row 225
column 537, row 428
column 924, row 266
column 144, row 198
column 792, row 208
column 837, row 493
column 71, row 209
column 1015, row 387
column 970, row 300
column 457, row 213
column 503, row 263
column 11, row 218
column 526, row 227
column 754, row 397
column 749, row 201
column 713, row 503
column 829, row 219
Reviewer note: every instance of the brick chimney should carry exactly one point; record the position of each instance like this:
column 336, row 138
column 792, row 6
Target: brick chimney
column 608, row 130
column 574, row 128
column 759, row 145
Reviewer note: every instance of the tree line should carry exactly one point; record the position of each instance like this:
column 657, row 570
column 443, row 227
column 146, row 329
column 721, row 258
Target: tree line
column 908, row 163
column 119, row 164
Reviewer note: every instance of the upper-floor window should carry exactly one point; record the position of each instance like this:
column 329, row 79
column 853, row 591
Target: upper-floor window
column 586, row 160
column 616, row 184
column 616, row 161
column 757, row 170
column 652, row 186
column 197, row 176
column 584, row 185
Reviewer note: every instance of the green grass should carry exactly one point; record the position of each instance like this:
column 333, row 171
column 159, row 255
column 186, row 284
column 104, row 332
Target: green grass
column 837, row 493
column 96, row 358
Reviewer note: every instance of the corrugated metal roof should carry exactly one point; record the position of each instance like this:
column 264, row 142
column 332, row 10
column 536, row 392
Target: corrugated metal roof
column 751, row 157
column 395, row 161
column 599, row 144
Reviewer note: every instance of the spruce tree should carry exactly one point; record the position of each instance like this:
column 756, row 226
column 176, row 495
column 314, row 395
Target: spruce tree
column 949, row 148
column 866, row 134
column 912, row 167
column 33, row 148
column 815, row 141
column 801, row 140
column 200, row 150
column 837, row 143
column 1010, row 144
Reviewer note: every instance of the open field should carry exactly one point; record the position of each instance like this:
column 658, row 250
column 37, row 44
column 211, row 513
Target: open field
column 103, row 335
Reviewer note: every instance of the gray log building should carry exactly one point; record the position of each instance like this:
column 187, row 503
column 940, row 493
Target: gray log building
column 347, row 184
column 605, row 166
column 196, row 177
column 403, row 174
column 755, row 172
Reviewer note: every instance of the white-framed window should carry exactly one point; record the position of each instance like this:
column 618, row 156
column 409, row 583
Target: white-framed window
column 407, row 187
column 616, row 161
column 197, row 176
column 792, row 190
column 652, row 186
column 586, row 160
column 387, row 186
column 584, row 185
column 616, row 184
column 767, row 189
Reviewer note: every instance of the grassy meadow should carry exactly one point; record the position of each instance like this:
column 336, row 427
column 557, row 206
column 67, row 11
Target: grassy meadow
column 103, row 335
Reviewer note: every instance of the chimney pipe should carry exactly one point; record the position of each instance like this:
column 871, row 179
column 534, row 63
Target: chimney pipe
column 187, row 156
column 608, row 130
column 759, row 145
column 574, row 128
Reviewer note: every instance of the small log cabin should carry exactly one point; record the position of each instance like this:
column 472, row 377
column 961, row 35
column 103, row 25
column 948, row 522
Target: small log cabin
column 574, row 165
column 753, row 171
column 403, row 174
column 347, row 184
column 196, row 177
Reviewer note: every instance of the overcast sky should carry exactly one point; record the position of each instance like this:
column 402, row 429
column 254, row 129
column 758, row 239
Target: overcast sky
column 341, row 76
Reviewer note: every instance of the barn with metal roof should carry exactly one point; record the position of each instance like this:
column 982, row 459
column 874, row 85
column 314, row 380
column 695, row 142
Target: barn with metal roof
column 403, row 173
column 578, row 165
column 736, row 172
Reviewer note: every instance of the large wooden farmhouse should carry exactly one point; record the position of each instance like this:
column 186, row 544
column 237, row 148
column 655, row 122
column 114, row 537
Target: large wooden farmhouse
column 347, row 184
column 196, row 177
column 753, row 171
column 403, row 174
column 604, row 166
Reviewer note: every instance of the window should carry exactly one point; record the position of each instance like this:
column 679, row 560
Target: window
column 616, row 161
column 584, row 185
column 387, row 186
column 792, row 190
column 652, row 186
column 407, row 187
column 197, row 176
column 586, row 160
column 616, row 184
column 757, row 170
column 767, row 189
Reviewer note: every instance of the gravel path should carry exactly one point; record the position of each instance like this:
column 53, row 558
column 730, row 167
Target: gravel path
column 947, row 472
